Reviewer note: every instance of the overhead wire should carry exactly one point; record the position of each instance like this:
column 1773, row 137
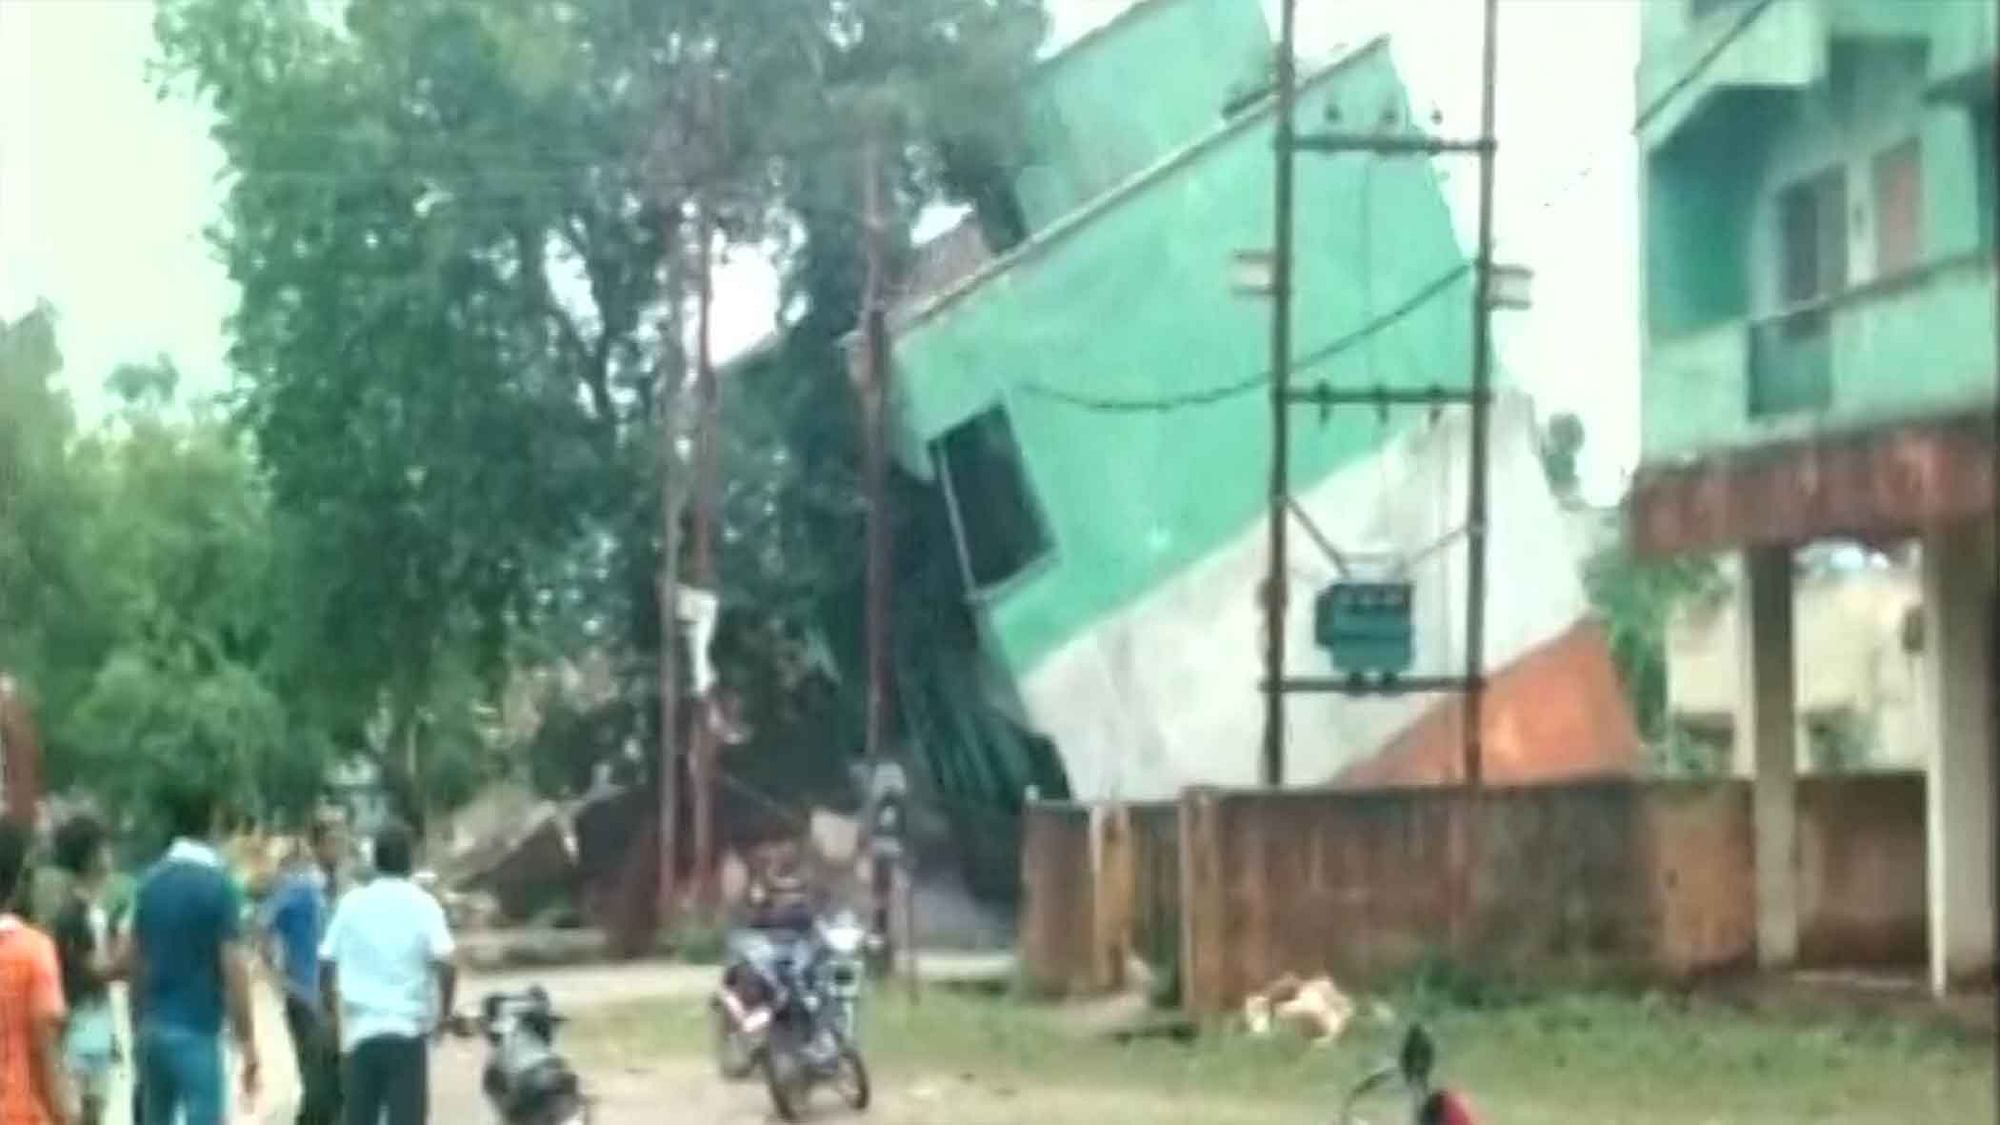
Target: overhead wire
column 1657, row 105
column 1661, row 101
column 1345, row 342
column 552, row 171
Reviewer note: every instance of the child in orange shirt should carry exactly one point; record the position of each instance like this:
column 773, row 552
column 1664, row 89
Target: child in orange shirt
column 33, row 1089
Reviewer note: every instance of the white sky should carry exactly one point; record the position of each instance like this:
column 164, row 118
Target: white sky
column 105, row 190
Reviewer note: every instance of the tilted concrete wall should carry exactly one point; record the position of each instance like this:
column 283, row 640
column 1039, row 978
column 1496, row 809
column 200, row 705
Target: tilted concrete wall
column 1164, row 694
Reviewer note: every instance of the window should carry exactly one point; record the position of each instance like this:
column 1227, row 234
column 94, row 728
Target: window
column 1000, row 529
column 1813, row 227
column 1791, row 362
column 1899, row 209
column 1698, row 9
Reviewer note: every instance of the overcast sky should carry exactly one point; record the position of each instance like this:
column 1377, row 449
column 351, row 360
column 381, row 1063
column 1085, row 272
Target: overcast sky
column 105, row 190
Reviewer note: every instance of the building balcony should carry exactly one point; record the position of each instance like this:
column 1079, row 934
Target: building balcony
column 1787, row 45
column 1965, row 51
column 1914, row 345
column 1783, row 47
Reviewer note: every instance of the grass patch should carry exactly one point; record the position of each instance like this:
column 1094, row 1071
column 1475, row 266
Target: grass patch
column 1585, row 1057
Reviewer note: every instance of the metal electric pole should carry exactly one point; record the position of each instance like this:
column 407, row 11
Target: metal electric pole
column 702, row 745
column 1482, row 385
column 874, row 393
column 673, row 377
column 1350, row 616
column 1275, row 578
column 888, row 862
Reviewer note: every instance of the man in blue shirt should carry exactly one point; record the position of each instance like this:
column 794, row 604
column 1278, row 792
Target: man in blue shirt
column 188, row 972
column 295, row 919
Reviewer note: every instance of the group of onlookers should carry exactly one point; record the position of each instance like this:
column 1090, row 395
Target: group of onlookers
column 365, row 968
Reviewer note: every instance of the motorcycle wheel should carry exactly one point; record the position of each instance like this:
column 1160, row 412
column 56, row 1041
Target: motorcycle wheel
column 568, row 1111
column 851, row 1080
column 785, row 1074
column 735, row 1056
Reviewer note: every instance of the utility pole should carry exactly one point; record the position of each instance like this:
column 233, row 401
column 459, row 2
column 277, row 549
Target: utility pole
column 1478, row 395
column 874, row 394
column 701, row 741
column 672, row 376
column 1275, row 578
column 1482, row 386
column 886, row 874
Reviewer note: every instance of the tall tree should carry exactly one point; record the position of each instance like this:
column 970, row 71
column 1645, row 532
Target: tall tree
column 141, row 590
column 452, row 224
column 50, row 629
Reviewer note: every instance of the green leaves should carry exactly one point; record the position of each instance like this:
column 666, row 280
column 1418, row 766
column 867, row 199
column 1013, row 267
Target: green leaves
column 140, row 595
column 461, row 230
column 1635, row 599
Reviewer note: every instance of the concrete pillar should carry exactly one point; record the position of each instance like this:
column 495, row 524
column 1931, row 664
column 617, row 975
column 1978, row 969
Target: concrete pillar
column 1958, row 633
column 1767, row 715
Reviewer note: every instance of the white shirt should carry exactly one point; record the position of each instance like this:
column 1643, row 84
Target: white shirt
column 194, row 851
column 384, row 944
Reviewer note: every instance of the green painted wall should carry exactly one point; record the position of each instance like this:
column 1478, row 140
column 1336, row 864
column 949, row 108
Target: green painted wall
column 1700, row 194
column 1964, row 39
column 1784, row 48
column 1132, row 299
column 1153, row 81
column 1899, row 346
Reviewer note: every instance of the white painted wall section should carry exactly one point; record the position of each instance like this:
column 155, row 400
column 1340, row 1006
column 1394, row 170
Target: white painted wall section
column 1164, row 694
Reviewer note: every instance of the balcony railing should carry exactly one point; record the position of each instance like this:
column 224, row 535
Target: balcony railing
column 1791, row 362
column 1917, row 343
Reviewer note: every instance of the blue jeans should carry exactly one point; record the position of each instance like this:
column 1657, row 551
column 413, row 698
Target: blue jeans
column 180, row 1072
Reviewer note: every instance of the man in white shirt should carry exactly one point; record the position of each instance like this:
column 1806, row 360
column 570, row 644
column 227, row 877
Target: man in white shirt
column 388, row 979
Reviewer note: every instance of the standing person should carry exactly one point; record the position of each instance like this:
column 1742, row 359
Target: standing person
column 296, row 920
column 121, row 931
column 189, row 972
column 386, row 969
column 89, row 964
column 33, row 1089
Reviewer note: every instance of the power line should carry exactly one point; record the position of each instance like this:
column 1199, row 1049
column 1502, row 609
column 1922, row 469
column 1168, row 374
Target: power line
column 1210, row 395
column 1654, row 107
column 1700, row 66
column 1662, row 100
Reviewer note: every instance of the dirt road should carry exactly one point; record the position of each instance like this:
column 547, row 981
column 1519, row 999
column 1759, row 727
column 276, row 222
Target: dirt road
column 628, row 1093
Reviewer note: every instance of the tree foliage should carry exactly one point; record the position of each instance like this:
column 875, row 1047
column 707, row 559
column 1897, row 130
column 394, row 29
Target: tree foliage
column 1562, row 447
column 462, row 232
column 143, row 595
column 1635, row 599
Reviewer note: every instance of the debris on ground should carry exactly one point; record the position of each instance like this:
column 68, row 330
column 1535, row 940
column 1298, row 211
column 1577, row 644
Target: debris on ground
column 524, row 868
column 1314, row 1008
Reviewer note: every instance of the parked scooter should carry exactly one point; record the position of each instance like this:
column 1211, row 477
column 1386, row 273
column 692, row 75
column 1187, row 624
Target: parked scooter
column 1412, row 1071
column 525, row 1080
column 810, row 1040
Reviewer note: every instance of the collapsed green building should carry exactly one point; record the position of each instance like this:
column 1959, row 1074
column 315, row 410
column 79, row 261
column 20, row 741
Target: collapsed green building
column 1088, row 407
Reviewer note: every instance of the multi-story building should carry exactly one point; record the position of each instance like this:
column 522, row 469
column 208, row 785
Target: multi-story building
column 1089, row 398
column 1819, row 308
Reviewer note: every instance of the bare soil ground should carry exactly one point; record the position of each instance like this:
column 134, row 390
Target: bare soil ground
column 639, row 1038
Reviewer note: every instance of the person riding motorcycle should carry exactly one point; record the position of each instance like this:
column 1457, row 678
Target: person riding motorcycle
column 782, row 902
column 776, row 927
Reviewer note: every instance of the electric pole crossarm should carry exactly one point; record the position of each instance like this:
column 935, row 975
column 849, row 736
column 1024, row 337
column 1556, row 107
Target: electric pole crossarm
column 1323, row 394
column 1392, row 144
column 1399, row 685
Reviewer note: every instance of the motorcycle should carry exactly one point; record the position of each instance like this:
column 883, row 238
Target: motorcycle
column 1430, row 1105
column 741, row 1008
column 811, row 1037
column 525, row 1080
